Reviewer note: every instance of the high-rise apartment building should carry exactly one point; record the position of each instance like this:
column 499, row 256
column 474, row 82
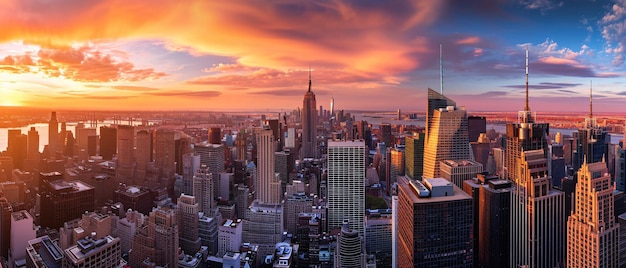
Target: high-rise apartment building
column 447, row 136
column 346, row 184
column 414, row 155
column 188, row 219
column 268, row 181
column 592, row 232
column 434, row 224
column 309, row 124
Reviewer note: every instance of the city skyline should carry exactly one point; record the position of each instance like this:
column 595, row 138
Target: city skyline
column 108, row 55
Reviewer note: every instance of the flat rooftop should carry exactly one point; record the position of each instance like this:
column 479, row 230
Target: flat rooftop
column 458, row 193
column 76, row 185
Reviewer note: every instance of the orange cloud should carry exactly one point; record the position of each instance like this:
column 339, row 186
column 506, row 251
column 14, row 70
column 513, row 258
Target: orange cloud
column 367, row 37
column 79, row 64
column 266, row 78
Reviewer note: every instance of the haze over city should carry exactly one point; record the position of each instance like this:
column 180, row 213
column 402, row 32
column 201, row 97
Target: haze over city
column 242, row 55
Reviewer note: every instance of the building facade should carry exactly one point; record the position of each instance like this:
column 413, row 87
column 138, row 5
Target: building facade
column 346, row 184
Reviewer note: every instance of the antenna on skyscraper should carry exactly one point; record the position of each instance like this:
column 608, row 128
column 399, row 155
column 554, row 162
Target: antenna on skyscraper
column 309, row 78
column 590, row 99
column 527, row 108
column 441, row 67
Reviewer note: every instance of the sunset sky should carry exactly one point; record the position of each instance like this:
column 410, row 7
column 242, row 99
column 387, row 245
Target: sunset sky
column 368, row 55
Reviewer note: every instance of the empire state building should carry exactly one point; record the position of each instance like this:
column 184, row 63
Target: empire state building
column 309, row 124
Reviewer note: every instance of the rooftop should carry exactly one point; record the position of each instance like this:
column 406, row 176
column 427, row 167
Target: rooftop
column 76, row 185
column 21, row 215
column 458, row 194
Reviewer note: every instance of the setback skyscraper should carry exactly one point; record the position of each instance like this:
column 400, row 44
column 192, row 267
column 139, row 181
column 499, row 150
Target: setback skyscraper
column 592, row 232
column 309, row 124
column 592, row 141
column 537, row 235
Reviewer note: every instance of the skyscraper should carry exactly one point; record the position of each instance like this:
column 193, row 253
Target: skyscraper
column 592, row 141
column 188, row 218
column 142, row 154
column 53, row 133
column 436, row 101
column 33, row 145
column 523, row 136
column 215, row 135
column 349, row 251
column 434, row 224
column 309, row 124
column 157, row 240
column 537, row 211
column 492, row 212
column 125, row 146
column 537, row 235
column 62, row 201
column 592, row 232
column 5, row 227
column 268, row 190
column 108, row 142
column 164, row 152
column 346, row 184
column 385, row 133
column 447, row 136
column 414, row 155
column 475, row 126
column 204, row 189
column 191, row 164
column 211, row 155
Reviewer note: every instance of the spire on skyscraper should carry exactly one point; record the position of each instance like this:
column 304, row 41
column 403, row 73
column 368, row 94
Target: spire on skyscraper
column 441, row 67
column 309, row 78
column 590, row 99
column 527, row 108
